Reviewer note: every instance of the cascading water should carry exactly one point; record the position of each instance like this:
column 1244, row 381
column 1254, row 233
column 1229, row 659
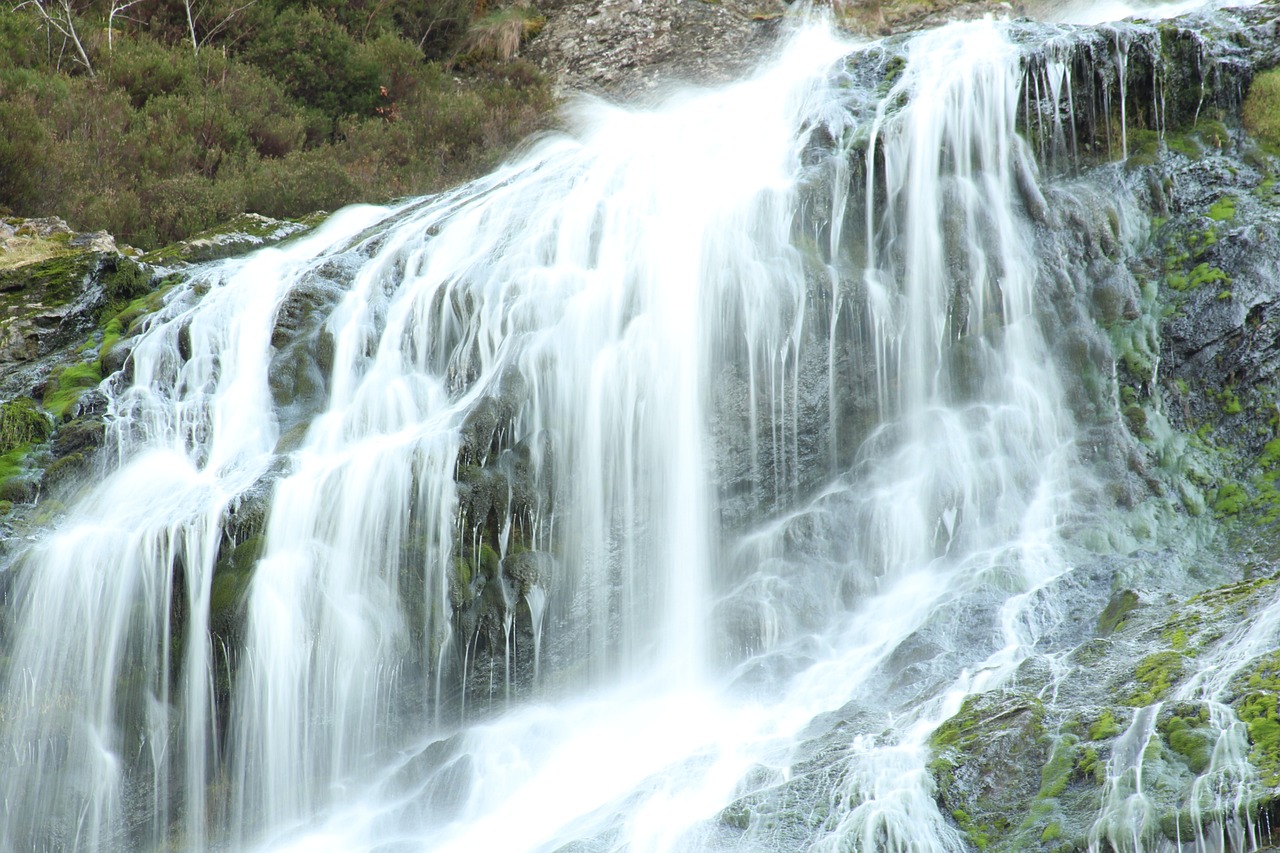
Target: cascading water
column 574, row 540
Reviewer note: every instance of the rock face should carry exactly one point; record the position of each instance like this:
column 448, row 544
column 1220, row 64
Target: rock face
column 70, row 305
column 626, row 48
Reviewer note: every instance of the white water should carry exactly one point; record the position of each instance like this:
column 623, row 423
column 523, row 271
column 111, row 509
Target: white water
column 617, row 275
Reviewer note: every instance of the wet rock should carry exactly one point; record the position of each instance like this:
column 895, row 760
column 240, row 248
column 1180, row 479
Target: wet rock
column 243, row 234
column 528, row 569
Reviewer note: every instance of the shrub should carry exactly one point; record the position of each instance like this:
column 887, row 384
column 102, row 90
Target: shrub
column 317, row 61
column 22, row 148
column 179, row 206
column 302, row 181
column 498, row 35
column 145, row 69
column 398, row 63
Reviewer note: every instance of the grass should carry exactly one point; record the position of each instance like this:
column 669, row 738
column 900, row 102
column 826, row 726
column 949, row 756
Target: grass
column 65, row 390
column 22, row 250
column 1261, row 111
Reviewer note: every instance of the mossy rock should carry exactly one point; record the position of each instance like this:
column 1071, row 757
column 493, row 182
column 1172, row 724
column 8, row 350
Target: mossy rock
column 987, row 763
column 1112, row 617
column 231, row 578
column 1156, row 673
column 64, row 390
column 1185, row 730
column 242, row 234
column 22, row 423
column 52, row 281
column 1257, row 689
column 1260, row 113
column 69, row 468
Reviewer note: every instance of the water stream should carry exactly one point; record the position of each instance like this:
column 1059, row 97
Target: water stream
column 574, row 541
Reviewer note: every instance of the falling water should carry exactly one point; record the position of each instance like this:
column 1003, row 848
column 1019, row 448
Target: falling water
column 696, row 562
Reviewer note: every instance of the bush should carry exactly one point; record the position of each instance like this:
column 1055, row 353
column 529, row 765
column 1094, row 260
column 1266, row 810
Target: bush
column 317, row 61
column 398, row 63
column 303, row 181
column 180, row 206
column 165, row 142
column 146, row 69
column 23, row 144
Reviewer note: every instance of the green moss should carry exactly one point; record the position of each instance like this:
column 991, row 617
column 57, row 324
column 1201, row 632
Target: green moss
column 1260, row 112
column 1257, row 709
column 65, row 390
column 1229, row 500
column 979, row 835
column 1105, row 727
column 1112, row 617
column 1056, row 773
column 1223, row 209
column 1144, row 147
column 489, row 561
column 13, row 464
column 54, row 281
column 22, row 423
column 1090, row 767
column 122, row 282
column 460, row 586
column 1156, row 673
column 1189, row 741
column 1230, row 402
column 1199, row 275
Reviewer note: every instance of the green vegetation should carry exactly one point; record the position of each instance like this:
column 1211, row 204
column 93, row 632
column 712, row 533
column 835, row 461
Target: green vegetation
column 1200, row 274
column 1257, row 709
column 1113, row 616
column 1156, row 673
column 65, row 389
column 1261, row 111
column 21, row 424
column 1105, row 727
column 1223, row 209
column 153, row 127
column 1187, row 735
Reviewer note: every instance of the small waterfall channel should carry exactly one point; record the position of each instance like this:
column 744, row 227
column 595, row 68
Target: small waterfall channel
column 580, row 507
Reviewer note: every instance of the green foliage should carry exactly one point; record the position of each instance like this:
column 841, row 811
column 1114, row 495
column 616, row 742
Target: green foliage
column 1156, row 673
column 1230, row 499
column 1200, row 274
column 21, row 424
column 1105, row 727
column 65, row 390
column 1223, row 209
column 317, row 61
column 1189, row 739
column 12, row 464
column 1261, row 110
column 1257, row 709
column 300, row 108
column 1090, row 765
column 1112, row 617
column 124, row 281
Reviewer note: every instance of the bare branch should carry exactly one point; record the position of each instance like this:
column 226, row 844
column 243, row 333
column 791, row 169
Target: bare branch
column 61, row 19
column 226, row 19
column 116, row 8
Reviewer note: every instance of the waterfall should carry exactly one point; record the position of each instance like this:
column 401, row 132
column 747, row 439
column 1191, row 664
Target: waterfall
column 701, row 461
